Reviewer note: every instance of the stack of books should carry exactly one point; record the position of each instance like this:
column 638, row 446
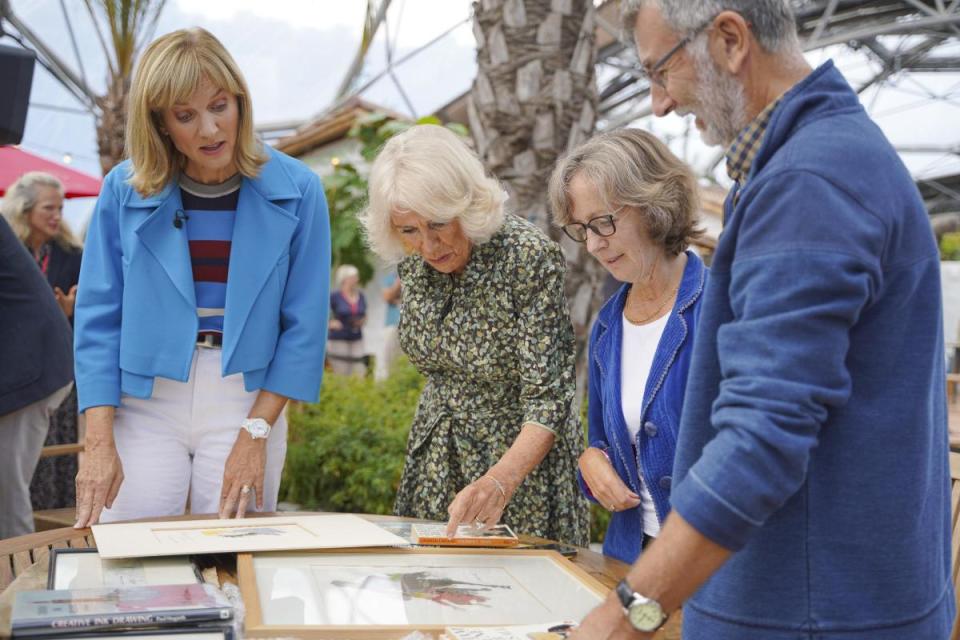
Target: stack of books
column 137, row 611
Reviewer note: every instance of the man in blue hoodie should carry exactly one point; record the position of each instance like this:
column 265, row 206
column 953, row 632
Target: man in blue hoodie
column 811, row 487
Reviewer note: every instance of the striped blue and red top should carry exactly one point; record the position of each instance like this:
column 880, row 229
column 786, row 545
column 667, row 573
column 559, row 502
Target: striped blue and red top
column 211, row 211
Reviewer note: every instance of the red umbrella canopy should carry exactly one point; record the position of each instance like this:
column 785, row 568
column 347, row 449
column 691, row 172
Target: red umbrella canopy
column 14, row 162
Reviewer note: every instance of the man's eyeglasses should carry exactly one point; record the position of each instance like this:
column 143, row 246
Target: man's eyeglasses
column 603, row 226
column 657, row 74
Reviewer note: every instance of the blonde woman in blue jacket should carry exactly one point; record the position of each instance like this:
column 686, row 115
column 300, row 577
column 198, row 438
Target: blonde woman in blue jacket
column 203, row 299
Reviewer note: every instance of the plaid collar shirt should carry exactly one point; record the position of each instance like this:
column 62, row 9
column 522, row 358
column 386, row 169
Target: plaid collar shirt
column 741, row 153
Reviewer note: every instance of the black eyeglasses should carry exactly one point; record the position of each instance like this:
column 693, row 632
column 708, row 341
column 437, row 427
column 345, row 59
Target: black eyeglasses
column 656, row 74
column 603, row 226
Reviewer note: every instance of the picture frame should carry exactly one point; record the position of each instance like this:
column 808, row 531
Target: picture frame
column 85, row 569
column 390, row 593
column 275, row 533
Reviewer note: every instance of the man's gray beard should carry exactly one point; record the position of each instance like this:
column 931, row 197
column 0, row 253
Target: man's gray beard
column 721, row 100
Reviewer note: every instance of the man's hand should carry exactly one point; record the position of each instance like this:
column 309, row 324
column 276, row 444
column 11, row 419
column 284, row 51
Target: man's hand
column 607, row 622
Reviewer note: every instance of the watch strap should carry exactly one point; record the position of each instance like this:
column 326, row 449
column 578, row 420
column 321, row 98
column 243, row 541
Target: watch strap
column 626, row 593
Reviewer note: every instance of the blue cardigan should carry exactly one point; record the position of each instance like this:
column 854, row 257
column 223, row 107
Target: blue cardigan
column 136, row 311
column 662, row 401
column 814, row 432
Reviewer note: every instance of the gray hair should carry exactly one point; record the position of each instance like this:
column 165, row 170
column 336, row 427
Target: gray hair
column 771, row 21
column 343, row 272
column 631, row 167
column 20, row 199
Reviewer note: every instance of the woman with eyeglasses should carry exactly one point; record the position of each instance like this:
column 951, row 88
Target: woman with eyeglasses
column 485, row 320
column 634, row 204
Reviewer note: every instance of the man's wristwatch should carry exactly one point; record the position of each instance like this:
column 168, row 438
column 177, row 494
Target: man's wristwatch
column 643, row 613
column 258, row 428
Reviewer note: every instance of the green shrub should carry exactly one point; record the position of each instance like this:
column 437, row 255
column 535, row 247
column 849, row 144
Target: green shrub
column 345, row 452
column 950, row 246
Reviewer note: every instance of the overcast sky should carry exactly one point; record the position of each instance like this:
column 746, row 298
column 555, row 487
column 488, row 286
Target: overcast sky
column 294, row 54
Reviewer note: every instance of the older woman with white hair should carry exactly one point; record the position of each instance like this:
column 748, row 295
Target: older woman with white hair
column 484, row 318
column 348, row 313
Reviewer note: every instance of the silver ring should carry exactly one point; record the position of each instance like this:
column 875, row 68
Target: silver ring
column 245, row 489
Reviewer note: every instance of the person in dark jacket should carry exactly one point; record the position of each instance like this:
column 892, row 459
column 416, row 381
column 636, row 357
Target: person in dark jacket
column 33, row 205
column 348, row 314
column 36, row 374
column 634, row 204
column 811, row 486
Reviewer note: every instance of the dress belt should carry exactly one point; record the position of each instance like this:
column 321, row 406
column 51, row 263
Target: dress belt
column 210, row 340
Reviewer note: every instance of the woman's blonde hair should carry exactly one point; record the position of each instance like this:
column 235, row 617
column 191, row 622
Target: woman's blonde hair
column 631, row 167
column 430, row 171
column 20, row 199
column 170, row 70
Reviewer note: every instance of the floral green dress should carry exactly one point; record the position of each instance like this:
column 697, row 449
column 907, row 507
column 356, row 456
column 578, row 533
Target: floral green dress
column 496, row 346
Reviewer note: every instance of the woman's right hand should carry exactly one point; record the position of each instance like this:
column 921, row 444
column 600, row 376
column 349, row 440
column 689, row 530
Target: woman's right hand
column 101, row 472
column 335, row 324
column 604, row 482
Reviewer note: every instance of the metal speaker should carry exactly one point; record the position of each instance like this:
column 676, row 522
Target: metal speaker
column 16, row 78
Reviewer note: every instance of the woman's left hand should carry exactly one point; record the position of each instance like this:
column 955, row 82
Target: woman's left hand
column 243, row 475
column 480, row 502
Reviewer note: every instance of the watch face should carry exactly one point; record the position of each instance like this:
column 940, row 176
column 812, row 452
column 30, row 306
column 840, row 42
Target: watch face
column 645, row 616
column 258, row 428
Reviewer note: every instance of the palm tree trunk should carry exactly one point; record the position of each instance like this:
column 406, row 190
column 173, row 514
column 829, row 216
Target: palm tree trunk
column 112, row 122
column 534, row 98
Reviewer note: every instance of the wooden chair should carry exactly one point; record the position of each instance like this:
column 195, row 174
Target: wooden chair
column 955, row 539
column 17, row 554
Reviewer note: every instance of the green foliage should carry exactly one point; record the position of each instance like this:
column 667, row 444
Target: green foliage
column 599, row 521
column 950, row 246
column 345, row 453
column 346, row 188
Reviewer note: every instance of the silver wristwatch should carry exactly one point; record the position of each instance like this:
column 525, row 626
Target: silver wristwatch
column 644, row 614
column 258, row 428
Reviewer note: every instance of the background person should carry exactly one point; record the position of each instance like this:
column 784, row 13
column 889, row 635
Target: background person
column 634, row 204
column 348, row 313
column 36, row 376
column 33, row 206
column 485, row 321
column 203, row 298
column 811, row 492
column 393, row 297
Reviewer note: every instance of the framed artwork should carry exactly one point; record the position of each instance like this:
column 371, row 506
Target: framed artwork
column 181, row 537
column 85, row 569
column 390, row 593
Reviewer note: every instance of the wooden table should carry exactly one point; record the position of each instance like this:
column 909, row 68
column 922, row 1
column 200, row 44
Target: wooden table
column 24, row 562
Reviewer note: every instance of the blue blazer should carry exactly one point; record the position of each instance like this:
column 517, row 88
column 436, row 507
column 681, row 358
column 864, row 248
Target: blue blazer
column 136, row 311
column 662, row 402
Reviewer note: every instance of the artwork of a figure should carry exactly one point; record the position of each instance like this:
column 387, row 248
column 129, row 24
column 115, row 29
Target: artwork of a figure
column 422, row 585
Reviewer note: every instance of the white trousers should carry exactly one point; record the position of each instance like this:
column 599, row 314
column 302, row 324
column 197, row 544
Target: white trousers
column 175, row 444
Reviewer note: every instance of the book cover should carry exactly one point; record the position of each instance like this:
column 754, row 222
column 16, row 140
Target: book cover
column 71, row 610
column 550, row 631
column 467, row 536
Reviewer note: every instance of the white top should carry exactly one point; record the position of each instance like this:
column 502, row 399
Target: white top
column 636, row 359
